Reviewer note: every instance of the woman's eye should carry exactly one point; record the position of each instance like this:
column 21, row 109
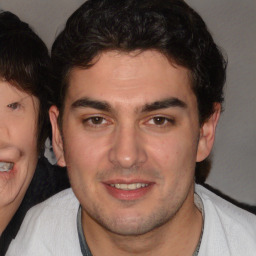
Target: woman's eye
column 14, row 105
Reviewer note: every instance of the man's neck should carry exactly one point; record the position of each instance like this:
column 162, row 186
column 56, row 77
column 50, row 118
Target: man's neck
column 179, row 236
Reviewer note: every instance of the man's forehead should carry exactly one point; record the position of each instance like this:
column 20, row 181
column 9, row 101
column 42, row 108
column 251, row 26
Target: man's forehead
column 126, row 62
column 128, row 76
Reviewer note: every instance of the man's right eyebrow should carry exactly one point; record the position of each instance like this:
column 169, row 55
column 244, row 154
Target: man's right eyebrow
column 90, row 103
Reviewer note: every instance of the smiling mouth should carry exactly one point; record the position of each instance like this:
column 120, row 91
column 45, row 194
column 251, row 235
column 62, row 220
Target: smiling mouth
column 131, row 186
column 6, row 166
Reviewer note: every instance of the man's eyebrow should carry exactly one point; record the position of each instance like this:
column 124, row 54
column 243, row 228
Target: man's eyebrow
column 90, row 103
column 166, row 103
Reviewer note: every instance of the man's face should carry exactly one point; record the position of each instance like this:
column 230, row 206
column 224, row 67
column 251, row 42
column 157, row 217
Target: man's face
column 18, row 143
column 130, row 140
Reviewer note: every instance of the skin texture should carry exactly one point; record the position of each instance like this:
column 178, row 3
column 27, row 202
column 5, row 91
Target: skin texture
column 18, row 144
column 133, row 118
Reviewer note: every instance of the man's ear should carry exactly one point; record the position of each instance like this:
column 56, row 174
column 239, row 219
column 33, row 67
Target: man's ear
column 57, row 142
column 207, row 134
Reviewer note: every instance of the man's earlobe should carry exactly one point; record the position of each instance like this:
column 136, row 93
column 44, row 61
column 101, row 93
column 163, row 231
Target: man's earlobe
column 57, row 142
column 207, row 134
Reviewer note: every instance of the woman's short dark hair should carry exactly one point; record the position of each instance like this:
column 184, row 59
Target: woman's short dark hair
column 168, row 26
column 25, row 64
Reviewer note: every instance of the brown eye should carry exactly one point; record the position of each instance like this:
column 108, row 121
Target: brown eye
column 97, row 120
column 159, row 120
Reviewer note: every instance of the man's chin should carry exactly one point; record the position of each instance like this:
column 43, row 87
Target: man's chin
column 132, row 226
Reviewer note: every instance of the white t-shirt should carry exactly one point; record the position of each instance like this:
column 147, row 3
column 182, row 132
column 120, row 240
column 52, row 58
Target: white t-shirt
column 228, row 230
column 50, row 228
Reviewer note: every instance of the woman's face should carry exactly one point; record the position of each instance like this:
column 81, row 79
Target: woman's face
column 18, row 143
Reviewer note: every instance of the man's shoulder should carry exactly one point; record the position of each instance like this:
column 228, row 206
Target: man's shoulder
column 60, row 207
column 64, row 199
column 46, row 224
column 221, row 205
column 61, row 198
column 228, row 229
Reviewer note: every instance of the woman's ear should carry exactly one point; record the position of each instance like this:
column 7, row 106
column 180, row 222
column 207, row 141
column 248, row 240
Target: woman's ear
column 207, row 134
column 57, row 142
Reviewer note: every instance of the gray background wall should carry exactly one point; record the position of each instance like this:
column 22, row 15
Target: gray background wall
column 233, row 25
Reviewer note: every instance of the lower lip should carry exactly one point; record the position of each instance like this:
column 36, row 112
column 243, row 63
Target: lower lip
column 128, row 195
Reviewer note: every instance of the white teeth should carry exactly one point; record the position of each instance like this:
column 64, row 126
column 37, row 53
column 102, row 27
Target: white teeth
column 5, row 167
column 131, row 186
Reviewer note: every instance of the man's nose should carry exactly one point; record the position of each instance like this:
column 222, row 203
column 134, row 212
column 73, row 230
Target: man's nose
column 127, row 149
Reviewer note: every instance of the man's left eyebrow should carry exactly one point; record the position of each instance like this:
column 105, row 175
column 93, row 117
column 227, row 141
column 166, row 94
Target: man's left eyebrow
column 162, row 104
